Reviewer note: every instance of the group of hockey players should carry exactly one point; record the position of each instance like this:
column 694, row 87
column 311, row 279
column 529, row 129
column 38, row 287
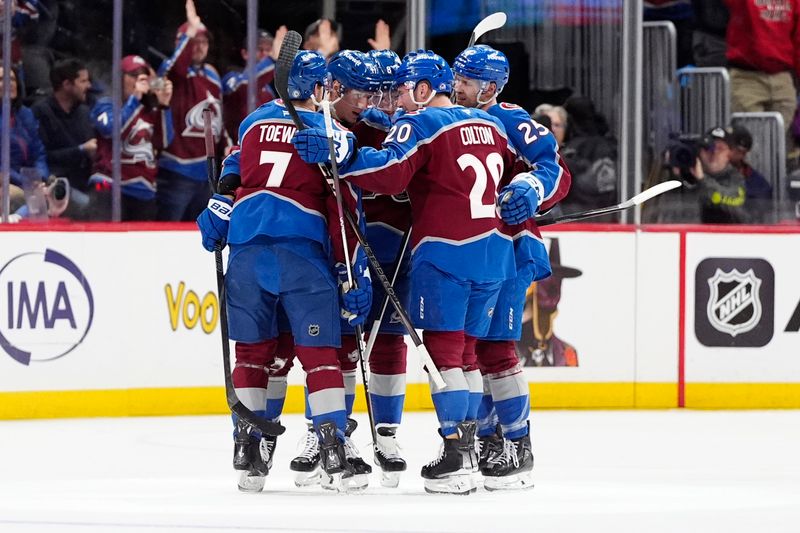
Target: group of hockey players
column 466, row 180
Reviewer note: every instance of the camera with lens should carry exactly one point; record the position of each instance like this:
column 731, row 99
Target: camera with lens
column 683, row 151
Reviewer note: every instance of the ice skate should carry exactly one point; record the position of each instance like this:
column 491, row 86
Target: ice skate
column 451, row 471
column 307, row 464
column 387, row 456
column 337, row 472
column 488, row 447
column 511, row 469
column 251, row 457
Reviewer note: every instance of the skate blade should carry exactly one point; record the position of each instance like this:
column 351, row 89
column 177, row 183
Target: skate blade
column 514, row 482
column 248, row 483
column 390, row 480
column 307, row 479
column 350, row 484
column 460, row 484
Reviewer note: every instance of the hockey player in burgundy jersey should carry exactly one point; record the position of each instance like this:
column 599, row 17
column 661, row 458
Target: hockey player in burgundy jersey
column 182, row 184
column 480, row 75
column 234, row 84
column 281, row 243
column 146, row 130
column 449, row 159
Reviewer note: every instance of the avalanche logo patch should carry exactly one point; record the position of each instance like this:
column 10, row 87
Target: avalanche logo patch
column 734, row 302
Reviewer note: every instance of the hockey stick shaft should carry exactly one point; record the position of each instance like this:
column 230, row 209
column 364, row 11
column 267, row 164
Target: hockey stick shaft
column 639, row 199
column 376, row 325
column 291, row 43
column 337, row 191
column 267, row 427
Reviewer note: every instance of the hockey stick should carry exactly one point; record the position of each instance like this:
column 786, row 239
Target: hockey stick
column 639, row 199
column 376, row 325
column 337, row 191
column 492, row 22
column 291, row 43
column 267, row 427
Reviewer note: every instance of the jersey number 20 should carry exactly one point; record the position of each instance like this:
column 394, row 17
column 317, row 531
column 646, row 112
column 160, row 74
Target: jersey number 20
column 494, row 162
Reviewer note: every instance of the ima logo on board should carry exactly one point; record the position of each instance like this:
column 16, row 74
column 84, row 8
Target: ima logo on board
column 47, row 306
column 734, row 302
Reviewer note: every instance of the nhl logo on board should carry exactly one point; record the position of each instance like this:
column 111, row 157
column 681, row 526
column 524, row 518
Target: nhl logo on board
column 313, row 330
column 734, row 303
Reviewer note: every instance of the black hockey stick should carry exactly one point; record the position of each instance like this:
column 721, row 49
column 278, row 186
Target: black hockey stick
column 639, row 199
column 291, row 43
column 267, row 427
column 376, row 325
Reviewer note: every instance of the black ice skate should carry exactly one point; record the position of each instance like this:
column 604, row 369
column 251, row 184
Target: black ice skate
column 451, row 472
column 361, row 469
column 511, row 469
column 337, row 471
column 251, row 456
column 488, row 447
column 306, row 465
column 387, row 456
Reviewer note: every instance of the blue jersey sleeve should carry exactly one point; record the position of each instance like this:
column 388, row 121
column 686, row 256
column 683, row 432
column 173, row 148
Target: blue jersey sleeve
column 230, row 165
column 102, row 115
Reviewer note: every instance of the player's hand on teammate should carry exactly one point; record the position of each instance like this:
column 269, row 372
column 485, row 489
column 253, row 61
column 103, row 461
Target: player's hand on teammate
column 356, row 302
column 373, row 115
column 520, row 200
column 312, row 145
column 214, row 220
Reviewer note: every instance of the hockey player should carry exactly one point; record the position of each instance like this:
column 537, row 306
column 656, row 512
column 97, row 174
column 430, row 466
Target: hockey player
column 280, row 242
column 182, row 184
column 449, row 159
column 146, row 129
column 480, row 75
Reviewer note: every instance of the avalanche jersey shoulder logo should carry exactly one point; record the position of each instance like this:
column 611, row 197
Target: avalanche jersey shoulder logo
column 137, row 146
column 194, row 118
column 506, row 105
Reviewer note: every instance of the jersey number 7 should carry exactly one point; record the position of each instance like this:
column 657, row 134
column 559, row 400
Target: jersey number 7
column 279, row 161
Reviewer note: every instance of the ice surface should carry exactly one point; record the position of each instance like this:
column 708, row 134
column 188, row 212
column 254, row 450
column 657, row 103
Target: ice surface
column 644, row 471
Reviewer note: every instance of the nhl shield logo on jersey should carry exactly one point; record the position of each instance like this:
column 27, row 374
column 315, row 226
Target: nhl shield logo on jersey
column 734, row 303
column 313, row 330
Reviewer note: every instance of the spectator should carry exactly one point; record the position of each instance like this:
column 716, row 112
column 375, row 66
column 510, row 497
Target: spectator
column 65, row 127
column 27, row 149
column 558, row 120
column 679, row 12
column 147, row 128
column 708, row 39
column 323, row 36
column 757, row 189
column 234, row 84
column 183, row 188
column 590, row 152
column 24, row 12
column 763, row 54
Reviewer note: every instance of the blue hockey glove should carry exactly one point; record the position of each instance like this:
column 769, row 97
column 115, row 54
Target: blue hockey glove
column 376, row 118
column 312, row 145
column 355, row 302
column 520, row 200
column 214, row 220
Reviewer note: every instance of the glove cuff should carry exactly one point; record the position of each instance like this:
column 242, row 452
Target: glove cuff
column 535, row 184
column 220, row 206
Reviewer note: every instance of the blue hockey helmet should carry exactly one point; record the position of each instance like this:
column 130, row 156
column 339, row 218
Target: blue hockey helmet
column 354, row 70
column 425, row 65
column 308, row 70
column 483, row 63
column 387, row 62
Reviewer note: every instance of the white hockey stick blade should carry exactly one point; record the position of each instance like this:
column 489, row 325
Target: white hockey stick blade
column 427, row 362
column 492, row 22
column 653, row 191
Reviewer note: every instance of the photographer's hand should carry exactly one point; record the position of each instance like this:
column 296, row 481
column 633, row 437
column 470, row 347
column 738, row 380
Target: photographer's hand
column 697, row 170
column 142, row 86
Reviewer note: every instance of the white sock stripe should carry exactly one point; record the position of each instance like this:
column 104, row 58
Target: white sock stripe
column 387, row 384
column 516, row 369
column 508, row 387
column 474, row 381
column 349, row 377
column 326, row 401
column 276, row 389
column 253, row 398
column 322, row 368
column 251, row 365
column 453, row 378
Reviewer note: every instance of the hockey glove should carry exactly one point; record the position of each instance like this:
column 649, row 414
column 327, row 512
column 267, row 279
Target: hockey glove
column 312, row 145
column 376, row 118
column 214, row 220
column 520, row 200
column 355, row 302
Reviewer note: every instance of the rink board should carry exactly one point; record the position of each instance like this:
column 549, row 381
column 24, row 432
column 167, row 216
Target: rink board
column 106, row 320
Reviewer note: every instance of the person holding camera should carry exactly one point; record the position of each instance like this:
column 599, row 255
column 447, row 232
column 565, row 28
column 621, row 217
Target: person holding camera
column 146, row 130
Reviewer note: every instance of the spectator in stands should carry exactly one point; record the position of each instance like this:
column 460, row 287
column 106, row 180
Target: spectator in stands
column 24, row 13
column 234, row 84
column 679, row 12
column 763, row 54
column 27, row 150
column 183, row 188
column 66, row 130
column 147, row 128
column 323, row 36
column 757, row 189
column 558, row 120
column 590, row 152
column 708, row 39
